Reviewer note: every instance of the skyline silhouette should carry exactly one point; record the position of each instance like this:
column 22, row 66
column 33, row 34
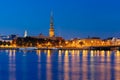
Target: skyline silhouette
column 71, row 18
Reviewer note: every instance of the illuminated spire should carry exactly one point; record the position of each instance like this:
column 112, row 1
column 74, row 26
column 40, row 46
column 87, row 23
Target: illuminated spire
column 51, row 30
column 25, row 33
column 51, row 20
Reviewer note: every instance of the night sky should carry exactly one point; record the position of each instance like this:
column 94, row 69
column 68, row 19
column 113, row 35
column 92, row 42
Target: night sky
column 72, row 18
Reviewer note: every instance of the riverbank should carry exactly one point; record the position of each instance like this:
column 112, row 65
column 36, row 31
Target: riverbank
column 63, row 48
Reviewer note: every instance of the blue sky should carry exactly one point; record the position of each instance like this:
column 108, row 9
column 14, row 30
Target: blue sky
column 72, row 18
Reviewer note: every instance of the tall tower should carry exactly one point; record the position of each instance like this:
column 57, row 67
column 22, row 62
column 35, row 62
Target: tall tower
column 25, row 33
column 51, row 30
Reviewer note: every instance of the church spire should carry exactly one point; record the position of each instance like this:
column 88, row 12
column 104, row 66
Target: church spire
column 51, row 30
column 51, row 20
column 25, row 33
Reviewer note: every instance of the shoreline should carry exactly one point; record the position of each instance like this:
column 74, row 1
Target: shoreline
column 44, row 48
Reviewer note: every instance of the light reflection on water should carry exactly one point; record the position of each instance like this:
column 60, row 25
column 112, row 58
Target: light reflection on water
column 59, row 65
column 12, row 65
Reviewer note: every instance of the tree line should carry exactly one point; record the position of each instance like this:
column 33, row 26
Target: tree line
column 4, row 43
column 33, row 42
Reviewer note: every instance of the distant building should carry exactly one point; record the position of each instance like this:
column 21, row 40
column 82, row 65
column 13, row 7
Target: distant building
column 113, row 41
column 13, row 36
column 8, row 38
column 40, row 36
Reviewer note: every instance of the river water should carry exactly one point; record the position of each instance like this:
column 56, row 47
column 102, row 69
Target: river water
column 59, row 65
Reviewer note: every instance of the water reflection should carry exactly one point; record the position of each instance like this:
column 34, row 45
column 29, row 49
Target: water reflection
column 60, row 52
column 39, row 65
column 117, row 65
column 66, row 65
column 61, row 65
column 48, row 66
column 12, row 65
column 38, row 53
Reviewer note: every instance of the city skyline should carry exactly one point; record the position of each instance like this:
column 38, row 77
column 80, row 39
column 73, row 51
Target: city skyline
column 72, row 19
